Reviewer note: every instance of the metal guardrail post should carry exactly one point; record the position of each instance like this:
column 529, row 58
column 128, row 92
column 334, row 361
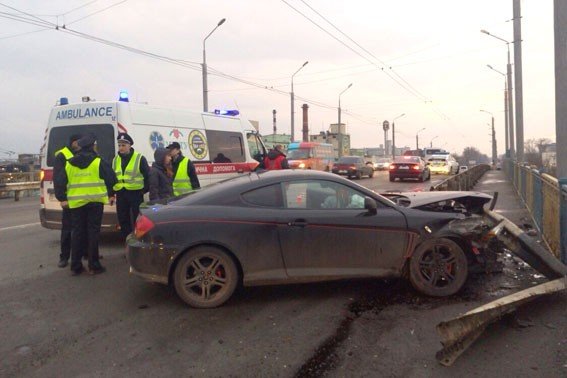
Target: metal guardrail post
column 537, row 199
column 563, row 218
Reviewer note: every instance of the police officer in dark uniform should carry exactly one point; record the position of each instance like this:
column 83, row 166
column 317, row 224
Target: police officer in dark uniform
column 84, row 186
column 132, row 171
column 61, row 158
column 184, row 175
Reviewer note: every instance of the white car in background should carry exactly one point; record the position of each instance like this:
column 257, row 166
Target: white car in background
column 463, row 168
column 443, row 164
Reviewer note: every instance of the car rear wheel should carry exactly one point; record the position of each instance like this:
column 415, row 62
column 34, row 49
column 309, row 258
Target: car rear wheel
column 371, row 174
column 358, row 175
column 438, row 267
column 205, row 277
column 392, row 179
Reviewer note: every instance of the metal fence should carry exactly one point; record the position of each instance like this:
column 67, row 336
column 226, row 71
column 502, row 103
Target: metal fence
column 16, row 183
column 540, row 193
column 463, row 181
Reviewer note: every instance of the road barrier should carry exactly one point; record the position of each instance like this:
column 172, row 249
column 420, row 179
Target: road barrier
column 18, row 182
column 540, row 193
column 463, row 181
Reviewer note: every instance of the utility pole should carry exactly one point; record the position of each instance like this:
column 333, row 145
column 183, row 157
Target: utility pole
column 494, row 152
column 385, row 127
column 560, row 31
column 274, row 120
column 518, row 81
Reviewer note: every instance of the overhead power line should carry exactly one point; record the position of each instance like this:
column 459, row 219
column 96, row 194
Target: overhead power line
column 187, row 64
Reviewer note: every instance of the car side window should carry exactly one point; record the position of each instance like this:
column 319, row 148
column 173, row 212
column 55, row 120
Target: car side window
column 267, row 196
column 320, row 194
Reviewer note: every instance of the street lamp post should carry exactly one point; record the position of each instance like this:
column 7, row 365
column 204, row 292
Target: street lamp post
column 431, row 141
column 293, row 103
column 506, row 123
column 417, row 138
column 510, row 103
column 494, row 153
column 339, row 134
column 205, row 87
column 394, row 135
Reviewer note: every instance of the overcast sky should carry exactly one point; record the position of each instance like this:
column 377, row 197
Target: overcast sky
column 433, row 49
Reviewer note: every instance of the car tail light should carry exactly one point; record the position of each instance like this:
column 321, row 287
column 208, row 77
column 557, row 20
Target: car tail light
column 143, row 226
column 416, row 167
column 352, row 167
column 392, row 166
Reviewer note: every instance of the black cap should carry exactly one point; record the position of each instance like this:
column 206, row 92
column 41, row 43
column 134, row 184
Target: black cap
column 87, row 140
column 123, row 137
column 174, row 145
column 74, row 138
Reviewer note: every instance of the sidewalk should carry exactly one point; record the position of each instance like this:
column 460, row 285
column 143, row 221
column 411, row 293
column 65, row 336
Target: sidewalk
column 533, row 341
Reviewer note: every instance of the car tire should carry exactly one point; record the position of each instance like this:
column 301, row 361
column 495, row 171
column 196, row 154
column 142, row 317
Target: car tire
column 421, row 178
column 371, row 174
column 358, row 175
column 392, row 179
column 205, row 277
column 438, row 267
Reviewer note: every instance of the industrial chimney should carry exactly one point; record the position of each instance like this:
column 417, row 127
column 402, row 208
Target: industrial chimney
column 305, row 122
column 274, row 120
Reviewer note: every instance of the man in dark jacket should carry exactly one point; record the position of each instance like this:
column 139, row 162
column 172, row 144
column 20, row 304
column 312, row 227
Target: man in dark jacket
column 161, row 180
column 276, row 159
column 185, row 179
column 132, row 171
column 84, row 186
column 61, row 158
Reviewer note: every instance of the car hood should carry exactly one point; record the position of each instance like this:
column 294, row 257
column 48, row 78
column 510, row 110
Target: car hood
column 450, row 201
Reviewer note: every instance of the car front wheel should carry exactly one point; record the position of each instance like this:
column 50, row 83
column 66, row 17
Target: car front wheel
column 205, row 277
column 438, row 267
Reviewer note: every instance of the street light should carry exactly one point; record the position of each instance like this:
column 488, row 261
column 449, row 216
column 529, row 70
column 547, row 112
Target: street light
column 339, row 134
column 493, row 137
column 506, row 123
column 205, row 88
column 417, row 139
column 394, row 135
column 510, row 104
column 293, row 103
column 431, row 141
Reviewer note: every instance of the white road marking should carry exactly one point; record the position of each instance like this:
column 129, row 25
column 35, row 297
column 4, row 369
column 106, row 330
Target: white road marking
column 20, row 226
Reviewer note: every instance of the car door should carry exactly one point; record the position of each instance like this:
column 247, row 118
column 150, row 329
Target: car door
column 325, row 232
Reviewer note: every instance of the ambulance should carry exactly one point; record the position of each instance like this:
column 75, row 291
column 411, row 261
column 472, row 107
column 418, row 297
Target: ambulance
column 220, row 144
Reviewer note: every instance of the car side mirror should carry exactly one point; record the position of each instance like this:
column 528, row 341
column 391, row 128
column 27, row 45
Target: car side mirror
column 370, row 205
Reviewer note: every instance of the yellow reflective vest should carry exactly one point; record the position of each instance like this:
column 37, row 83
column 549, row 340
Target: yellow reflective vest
column 131, row 178
column 85, row 185
column 181, row 182
column 66, row 152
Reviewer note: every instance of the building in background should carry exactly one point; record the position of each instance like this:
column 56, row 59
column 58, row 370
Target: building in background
column 271, row 140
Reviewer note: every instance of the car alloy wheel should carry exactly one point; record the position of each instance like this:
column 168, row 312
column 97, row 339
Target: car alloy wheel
column 438, row 267
column 205, row 277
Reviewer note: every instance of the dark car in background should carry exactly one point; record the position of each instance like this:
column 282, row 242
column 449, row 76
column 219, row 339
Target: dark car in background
column 298, row 226
column 409, row 167
column 353, row 166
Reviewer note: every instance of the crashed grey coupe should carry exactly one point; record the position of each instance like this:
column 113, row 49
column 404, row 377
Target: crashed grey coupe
column 290, row 226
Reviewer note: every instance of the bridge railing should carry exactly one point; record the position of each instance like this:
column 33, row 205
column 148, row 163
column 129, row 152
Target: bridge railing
column 463, row 181
column 540, row 193
column 17, row 183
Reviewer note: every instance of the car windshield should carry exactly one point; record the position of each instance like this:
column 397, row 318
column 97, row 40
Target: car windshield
column 348, row 160
column 438, row 159
column 383, row 160
column 407, row 159
column 300, row 153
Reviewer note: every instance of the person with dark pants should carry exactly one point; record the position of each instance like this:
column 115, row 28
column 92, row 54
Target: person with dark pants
column 61, row 158
column 84, row 187
column 132, row 172
column 185, row 177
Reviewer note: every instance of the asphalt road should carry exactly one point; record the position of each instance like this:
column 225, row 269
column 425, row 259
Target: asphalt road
column 56, row 325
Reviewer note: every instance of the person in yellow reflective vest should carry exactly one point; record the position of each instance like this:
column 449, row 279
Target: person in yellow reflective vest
column 184, row 175
column 132, row 171
column 61, row 157
column 85, row 186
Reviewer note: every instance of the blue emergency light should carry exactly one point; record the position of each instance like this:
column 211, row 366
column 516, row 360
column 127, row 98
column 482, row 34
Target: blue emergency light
column 123, row 96
column 63, row 101
column 227, row 112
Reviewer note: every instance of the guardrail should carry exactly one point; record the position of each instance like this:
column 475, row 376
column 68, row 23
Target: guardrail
column 540, row 193
column 463, row 181
column 18, row 187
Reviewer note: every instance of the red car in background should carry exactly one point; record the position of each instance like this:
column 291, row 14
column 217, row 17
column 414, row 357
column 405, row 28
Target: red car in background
column 409, row 167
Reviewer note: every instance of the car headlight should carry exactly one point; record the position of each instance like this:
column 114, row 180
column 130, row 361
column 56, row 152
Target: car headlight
column 301, row 165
